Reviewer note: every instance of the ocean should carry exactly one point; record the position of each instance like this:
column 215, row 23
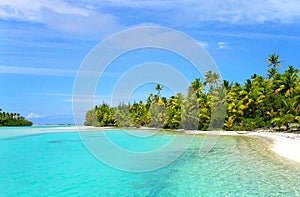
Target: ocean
column 59, row 164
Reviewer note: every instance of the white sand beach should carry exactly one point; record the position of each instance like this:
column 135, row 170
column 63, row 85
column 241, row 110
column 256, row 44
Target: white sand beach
column 285, row 144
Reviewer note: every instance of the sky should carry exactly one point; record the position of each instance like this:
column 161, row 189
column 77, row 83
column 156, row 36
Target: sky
column 44, row 42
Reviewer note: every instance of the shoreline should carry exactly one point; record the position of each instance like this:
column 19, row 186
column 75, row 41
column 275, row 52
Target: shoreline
column 286, row 145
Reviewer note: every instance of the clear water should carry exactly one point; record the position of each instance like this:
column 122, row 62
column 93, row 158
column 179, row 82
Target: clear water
column 58, row 164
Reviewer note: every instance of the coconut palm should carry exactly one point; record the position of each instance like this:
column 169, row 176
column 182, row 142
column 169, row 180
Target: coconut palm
column 197, row 86
column 12, row 119
column 211, row 79
column 274, row 62
column 258, row 102
column 287, row 114
column 159, row 88
column 288, row 82
column 173, row 112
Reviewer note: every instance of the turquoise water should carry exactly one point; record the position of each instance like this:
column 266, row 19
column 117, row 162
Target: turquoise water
column 58, row 164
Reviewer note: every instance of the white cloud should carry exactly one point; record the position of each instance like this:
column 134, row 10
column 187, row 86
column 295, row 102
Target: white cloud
column 252, row 11
column 85, row 96
column 203, row 44
column 251, row 35
column 32, row 115
column 60, row 15
column 222, row 45
column 195, row 11
column 87, row 12
column 31, row 10
column 109, row 16
column 82, row 100
column 79, row 24
column 96, row 99
column 35, row 71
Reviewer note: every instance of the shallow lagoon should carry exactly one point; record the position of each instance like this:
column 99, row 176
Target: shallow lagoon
column 58, row 164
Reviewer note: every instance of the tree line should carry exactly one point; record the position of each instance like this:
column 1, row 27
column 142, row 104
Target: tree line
column 13, row 119
column 266, row 101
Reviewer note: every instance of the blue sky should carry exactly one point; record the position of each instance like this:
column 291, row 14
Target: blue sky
column 43, row 42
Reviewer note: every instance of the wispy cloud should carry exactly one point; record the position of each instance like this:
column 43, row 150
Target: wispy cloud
column 32, row 10
column 79, row 16
column 251, row 35
column 35, row 71
column 203, row 44
column 222, row 45
column 50, row 71
column 230, row 11
column 33, row 115
column 56, row 94
column 82, row 98
column 71, row 95
column 85, row 100
column 243, row 12
column 96, row 99
column 61, row 15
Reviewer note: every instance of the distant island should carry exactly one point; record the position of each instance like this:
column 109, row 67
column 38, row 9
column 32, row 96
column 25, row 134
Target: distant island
column 13, row 119
column 270, row 101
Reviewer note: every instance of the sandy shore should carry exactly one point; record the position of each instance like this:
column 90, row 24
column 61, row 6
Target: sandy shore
column 284, row 144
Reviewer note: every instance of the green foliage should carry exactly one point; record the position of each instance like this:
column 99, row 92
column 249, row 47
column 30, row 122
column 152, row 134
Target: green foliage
column 104, row 115
column 157, row 112
column 91, row 118
column 173, row 113
column 13, row 119
column 123, row 116
column 159, row 88
column 259, row 102
column 139, row 113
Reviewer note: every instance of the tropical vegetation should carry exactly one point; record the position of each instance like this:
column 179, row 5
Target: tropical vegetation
column 13, row 119
column 271, row 101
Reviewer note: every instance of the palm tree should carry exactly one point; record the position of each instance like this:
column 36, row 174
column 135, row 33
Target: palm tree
column 159, row 88
column 287, row 113
column 254, row 76
column 256, row 103
column 157, row 114
column 139, row 113
column 104, row 115
column 155, row 98
column 197, row 86
column 288, row 82
column 204, row 103
column 274, row 62
column 211, row 78
column 90, row 118
column 123, row 116
column 227, row 84
column 149, row 101
column 173, row 112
